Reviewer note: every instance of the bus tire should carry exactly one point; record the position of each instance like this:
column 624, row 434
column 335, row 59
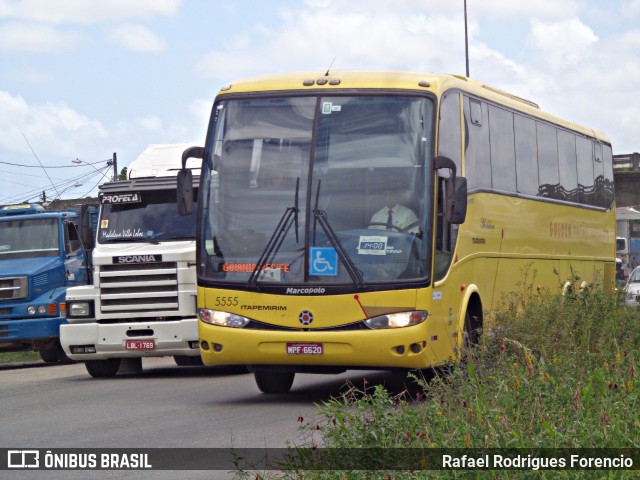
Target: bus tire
column 103, row 368
column 274, row 382
column 472, row 327
column 187, row 361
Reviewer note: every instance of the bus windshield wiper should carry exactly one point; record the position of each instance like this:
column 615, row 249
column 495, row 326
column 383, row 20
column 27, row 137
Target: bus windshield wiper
column 289, row 217
column 320, row 216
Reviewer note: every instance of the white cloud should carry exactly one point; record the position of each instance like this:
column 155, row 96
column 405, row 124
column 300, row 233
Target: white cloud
column 137, row 38
column 52, row 124
column 201, row 111
column 312, row 39
column 34, row 38
column 85, row 11
column 150, row 123
column 631, row 8
column 563, row 43
column 539, row 8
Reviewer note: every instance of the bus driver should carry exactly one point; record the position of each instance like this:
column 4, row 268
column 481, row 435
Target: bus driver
column 394, row 216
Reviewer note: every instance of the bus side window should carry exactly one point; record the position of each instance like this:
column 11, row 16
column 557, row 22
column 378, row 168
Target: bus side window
column 445, row 236
column 449, row 145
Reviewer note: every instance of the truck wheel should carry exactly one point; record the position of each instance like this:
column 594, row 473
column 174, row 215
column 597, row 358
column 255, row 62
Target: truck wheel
column 48, row 355
column 102, row 368
column 187, row 361
column 274, row 382
column 54, row 355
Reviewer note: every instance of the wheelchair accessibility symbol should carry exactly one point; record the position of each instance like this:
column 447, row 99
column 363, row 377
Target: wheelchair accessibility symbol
column 323, row 261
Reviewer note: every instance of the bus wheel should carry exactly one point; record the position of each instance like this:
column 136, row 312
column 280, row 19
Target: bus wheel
column 274, row 382
column 187, row 361
column 471, row 332
column 102, row 368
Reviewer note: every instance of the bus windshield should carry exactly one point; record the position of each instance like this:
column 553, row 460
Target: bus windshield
column 29, row 238
column 146, row 216
column 318, row 191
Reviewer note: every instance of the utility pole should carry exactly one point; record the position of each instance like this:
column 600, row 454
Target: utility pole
column 115, row 166
column 466, row 38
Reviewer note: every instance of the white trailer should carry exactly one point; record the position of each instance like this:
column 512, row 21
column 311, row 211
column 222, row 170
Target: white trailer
column 142, row 302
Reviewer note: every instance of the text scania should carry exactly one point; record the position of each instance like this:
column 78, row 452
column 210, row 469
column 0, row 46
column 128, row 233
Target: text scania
column 304, row 291
column 137, row 259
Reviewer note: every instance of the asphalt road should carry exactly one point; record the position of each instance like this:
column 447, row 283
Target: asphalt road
column 166, row 406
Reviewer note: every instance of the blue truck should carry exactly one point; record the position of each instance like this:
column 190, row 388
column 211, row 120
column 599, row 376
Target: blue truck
column 41, row 254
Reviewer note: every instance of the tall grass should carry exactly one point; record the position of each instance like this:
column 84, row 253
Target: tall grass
column 13, row 357
column 554, row 371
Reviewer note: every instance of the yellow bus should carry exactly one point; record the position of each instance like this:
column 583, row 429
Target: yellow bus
column 371, row 219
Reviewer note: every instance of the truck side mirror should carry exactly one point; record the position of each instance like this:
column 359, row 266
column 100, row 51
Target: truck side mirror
column 456, row 208
column 87, row 234
column 184, row 181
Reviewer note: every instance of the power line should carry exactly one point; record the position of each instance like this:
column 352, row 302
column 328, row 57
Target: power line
column 35, row 155
column 56, row 189
column 35, row 193
column 52, row 166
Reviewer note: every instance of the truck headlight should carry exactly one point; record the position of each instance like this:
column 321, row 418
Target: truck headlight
column 223, row 319
column 397, row 320
column 79, row 309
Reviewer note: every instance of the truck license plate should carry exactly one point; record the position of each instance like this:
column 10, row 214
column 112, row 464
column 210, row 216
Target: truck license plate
column 149, row 344
column 305, row 349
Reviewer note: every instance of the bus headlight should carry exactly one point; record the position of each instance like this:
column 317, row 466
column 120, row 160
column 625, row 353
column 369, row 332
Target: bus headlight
column 397, row 320
column 223, row 319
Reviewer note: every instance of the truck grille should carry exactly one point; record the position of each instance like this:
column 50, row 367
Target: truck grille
column 139, row 287
column 13, row 288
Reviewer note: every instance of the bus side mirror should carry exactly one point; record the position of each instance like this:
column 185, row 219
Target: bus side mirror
column 458, row 211
column 184, row 192
column 184, row 181
column 456, row 208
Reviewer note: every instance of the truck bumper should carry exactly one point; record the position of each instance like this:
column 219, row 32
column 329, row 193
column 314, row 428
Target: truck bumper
column 110, row 340
column 26, row 332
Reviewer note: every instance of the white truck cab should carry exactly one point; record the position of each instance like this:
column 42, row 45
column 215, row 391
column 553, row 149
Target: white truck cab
column 142, row 300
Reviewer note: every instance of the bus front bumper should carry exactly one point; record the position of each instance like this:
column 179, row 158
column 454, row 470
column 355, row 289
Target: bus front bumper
column 409, row 347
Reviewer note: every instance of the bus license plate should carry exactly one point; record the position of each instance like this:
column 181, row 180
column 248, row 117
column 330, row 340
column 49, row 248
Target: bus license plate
column 305, row 349
column 149, row 344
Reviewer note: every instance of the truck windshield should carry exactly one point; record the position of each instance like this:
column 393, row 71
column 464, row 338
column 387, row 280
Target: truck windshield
column 28, row 238
column 318, row 191
column 146, row 216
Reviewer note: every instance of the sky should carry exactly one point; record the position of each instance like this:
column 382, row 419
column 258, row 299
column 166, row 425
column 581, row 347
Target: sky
column 84, row 80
